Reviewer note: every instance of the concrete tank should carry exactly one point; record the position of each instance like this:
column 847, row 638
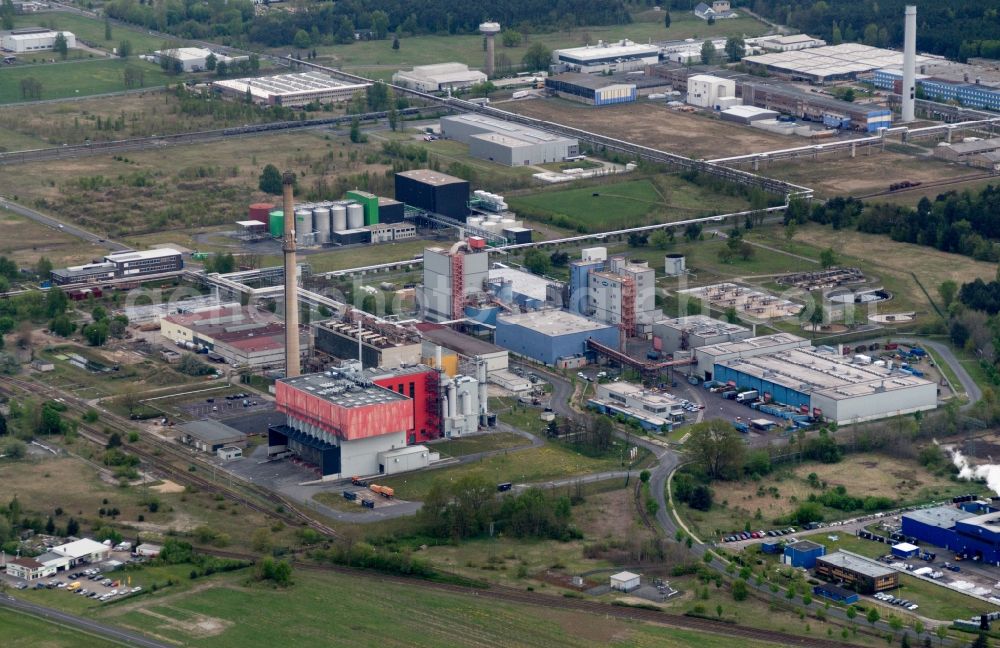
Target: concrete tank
column 674, row 265
column 338, row 214
column 356, row 215
column 321, row 221
column 303, row 226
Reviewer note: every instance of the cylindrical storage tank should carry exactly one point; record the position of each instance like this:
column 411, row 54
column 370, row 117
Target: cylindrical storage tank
column 338, row 214
column 303, row 226
column 260, row 211
column 508, row 222
column 495, row 218
column 355, row 216
column 321, row 221
column 475, row 221
column 674, row 265
column 276, row 223
column 467, row 403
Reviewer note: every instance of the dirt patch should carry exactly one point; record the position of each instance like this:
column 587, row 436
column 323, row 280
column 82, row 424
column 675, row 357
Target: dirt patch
column 657, row 126
column 607, row 514
column 168, row 486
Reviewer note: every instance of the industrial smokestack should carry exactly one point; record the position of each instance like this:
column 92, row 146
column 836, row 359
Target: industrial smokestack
column 292, row 360
column 909, row 63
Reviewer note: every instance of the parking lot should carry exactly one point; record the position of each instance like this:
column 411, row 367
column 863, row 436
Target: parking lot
column 222, row 407
column 85, row 581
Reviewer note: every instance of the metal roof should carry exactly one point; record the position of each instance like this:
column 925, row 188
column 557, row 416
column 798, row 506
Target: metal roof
column 335, row 388
column 943, row 517
column 856, row 564
column 552, row 322
column 211, row 431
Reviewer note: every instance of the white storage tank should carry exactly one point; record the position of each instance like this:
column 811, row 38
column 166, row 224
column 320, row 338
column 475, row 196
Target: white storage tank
column 674, row 265
column 474, row 221
column 303, row 225
column 321, row 221
column 355, row 216
column 338, row 214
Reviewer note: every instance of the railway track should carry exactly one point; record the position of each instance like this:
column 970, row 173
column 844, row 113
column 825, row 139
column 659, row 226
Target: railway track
column 510, row 595
column 931, row 184
column 252, row 497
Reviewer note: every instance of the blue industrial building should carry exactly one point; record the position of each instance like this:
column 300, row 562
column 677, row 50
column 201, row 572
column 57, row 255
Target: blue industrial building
column 778, row 392
column 972, row 95
column 905, row 550
column 579, row 282
column 972, row 534
column 548, row 335
column 803, row 554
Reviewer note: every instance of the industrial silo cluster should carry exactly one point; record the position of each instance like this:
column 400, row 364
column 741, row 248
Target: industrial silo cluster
column 339, row 222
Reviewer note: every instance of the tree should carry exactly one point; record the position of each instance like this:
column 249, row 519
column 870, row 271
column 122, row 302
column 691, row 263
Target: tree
column 61, row 46
column 210, row 62
column 828, row 258
column 15, row 449
column 377, row 96
column 409, row 25
column 873, row 616
column 7, row 12
column 393, row 117
column 510, row 38
column 981, row 641
column 731, row 315
column 848, row 95
column 345, row 32
column 790, row 230
column 3, row 425
column 692, row 232
column 537, row 262
column 301, row 40
column 125, row 49
column 43, row 268
column 96, row 333
column 356, row 135
column 483, row 89
column 62, row 325
column 270, row 180
column 661, row 239
column 395, row 42
column 72, row 527
column 107, row 28
column 707, row 52
column 380, row 24
column 31, row 88
column 537, row 57
column 746, row 251
column 666, row 19
column 135, row 76
column 717, row 447
column 735, row 49
column 221, row 69
column 947, row 291
column 50, row 526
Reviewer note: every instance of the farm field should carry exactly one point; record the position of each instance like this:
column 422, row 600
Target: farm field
column 378, row 56
column 77, row 79
column 91, row 30
column 655, row 125
column 780, row 493
column 619, row 204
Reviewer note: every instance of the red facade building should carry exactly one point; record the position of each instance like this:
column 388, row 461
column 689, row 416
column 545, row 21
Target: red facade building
column 421, row 385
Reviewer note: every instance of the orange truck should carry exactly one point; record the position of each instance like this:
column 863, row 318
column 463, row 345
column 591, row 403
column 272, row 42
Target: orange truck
column 384, row 491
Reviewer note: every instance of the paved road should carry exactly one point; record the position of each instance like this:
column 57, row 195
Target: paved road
column 946, row 355
column 56, row 224
column 62, row 618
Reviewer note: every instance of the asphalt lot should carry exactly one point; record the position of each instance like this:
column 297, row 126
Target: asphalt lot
column 221, row 408
column 117, row 581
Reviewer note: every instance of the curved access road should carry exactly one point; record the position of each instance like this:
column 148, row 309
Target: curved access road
column 116, row 635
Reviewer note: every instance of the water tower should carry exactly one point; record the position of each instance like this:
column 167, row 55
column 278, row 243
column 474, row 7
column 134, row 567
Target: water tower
column 489, row 30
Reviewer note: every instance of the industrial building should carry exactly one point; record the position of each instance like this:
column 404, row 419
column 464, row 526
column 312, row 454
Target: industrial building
column 809, row 106
column 705, row 90
column 654, row 411
column 451, row 278
column 604, row 58
column 210, row 436
column 822, row 65
column 422, row 385
column 506, row 142
column 466, row 346
column 595, row 90
column 439, row 77
column 976, row 152
column 973, row 533
column 624, row 581
column 389, row 232
column 193, row 59
column 28, row 40
column 361, row 217
column 592, row 260
column 829, row 385
column 547, row 336
column 789, row 43
column 802, row 554
column 695, row 331
column 835, row 593
column 523, row 289
column 242, row 335
column 719, row 10
column 434, row 192
column 974, row 86
column 383, row 345
column 706, row 357
column 747, row 115
column 290, row 90
column 860, row 574
column 390, row 211
column 120, row 265
column 341, row 424
column 623, row 293
column 688, row 51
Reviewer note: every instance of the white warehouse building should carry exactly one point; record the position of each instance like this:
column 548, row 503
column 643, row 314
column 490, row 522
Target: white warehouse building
column 705, row 90
column 438, row 77
column 507, row 143
column 624, row 290
column 33, row 39
column 603, row 58
column 696, row 331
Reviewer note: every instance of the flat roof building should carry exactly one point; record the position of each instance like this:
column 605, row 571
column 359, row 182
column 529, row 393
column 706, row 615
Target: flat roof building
column 527, row 290
column 120, row 265
column 860, row 574
column 194, row 59
column 972, row 534
column 29, row 40
column 293, row 90
column 438, row 77
column 620, row 56
column 595, row 90
column 550, row 335
column 506, row 142
column 747, row 114
column 433, row 191
column 831, row 63
column 835, row 113
column 210, row 435
column 496, row 357
column 387, row 346
column 696, row 331
column 708, row 356
column 654, row 411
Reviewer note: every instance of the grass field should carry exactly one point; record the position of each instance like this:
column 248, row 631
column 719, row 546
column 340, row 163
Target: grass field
column 939, row 602
column 550, row 461
column 25, row 241
column 371, row 56
column 22, row 631
column 619, row 204
column 91, row 30
column 479, row 443
column 76, row 79
column 737, row 503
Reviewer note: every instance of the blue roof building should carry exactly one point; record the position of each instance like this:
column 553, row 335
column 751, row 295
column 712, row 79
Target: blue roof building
column 803, row 554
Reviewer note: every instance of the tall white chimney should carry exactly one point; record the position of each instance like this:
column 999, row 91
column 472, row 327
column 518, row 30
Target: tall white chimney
column 909, row 63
